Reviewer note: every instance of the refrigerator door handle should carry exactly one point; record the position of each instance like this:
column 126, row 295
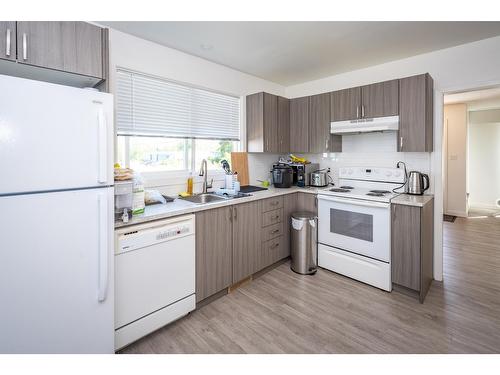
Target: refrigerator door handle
column 103, row 148
column 103, row 273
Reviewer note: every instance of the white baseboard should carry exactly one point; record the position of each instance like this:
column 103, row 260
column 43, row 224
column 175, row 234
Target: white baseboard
column 483, row 206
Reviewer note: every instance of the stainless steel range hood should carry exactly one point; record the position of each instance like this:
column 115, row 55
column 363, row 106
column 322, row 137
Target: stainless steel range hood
column 365, row 125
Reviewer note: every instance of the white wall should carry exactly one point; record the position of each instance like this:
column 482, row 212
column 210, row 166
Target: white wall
column 127, row 51
column 455, row 162
column 484, row 159
column 460, row 68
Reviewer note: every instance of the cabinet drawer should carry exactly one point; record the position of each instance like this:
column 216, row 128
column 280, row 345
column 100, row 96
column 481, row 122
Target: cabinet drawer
column 270, row 252
column 272, row 231
column 272, row 204
column 272, row 217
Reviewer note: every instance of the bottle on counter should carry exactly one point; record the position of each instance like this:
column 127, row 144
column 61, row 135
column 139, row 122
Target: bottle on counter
column 190, row 184
column 138, row 203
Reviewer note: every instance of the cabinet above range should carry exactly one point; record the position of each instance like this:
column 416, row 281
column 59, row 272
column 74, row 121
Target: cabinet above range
column 72, row 53
column 406, row 105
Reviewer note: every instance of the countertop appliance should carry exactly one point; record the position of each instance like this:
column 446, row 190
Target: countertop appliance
column 155, row 276
column 319, row 178
column 302, row 172
column 354, row 224
column 124, row 196
column 282, row 175
column 417, row 183
column 365, row 125
column 56, row 199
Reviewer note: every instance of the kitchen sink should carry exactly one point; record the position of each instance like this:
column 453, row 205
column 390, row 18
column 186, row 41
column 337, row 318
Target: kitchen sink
column 205, row 198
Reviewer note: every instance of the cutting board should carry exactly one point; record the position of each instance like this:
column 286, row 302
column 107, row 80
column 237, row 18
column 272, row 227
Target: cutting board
column 239, row 163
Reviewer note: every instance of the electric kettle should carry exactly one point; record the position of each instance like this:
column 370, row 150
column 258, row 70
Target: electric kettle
column 417, row 183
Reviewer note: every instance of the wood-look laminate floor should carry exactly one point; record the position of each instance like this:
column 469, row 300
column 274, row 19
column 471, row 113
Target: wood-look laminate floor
column 283, row 312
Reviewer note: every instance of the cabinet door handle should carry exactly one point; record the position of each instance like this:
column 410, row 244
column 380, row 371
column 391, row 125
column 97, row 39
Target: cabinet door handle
column 363, row 111
column 230, row 215
column 235, row 213
column 25, row 47
column 400, row 143
column 357, row 111
column 7, row 43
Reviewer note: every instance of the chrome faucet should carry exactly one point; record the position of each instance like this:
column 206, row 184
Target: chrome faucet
column 204, row 173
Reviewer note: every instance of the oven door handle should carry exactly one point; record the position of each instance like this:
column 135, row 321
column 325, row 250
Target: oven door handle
column 355, row 202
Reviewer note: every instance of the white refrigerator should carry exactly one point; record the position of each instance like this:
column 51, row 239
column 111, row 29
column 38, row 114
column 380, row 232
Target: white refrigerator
column 56, row 218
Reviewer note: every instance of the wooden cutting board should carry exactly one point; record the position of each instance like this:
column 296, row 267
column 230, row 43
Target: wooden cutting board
column 239, row 163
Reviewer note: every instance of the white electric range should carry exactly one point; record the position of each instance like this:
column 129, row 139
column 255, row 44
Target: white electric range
column 354, row 224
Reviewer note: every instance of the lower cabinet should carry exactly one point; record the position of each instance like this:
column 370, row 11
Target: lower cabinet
column 246, row 239
column 214, row 251
column 237, row 241
column 412, row 247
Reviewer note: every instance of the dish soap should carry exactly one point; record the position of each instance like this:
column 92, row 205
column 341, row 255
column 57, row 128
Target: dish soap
column 190, row 184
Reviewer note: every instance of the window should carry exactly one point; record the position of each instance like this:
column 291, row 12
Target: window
column 166, row 126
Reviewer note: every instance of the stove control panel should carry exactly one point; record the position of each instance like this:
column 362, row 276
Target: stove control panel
column 373, row 174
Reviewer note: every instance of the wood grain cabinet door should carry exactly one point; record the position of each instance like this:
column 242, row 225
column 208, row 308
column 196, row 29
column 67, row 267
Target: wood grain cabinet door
column 214, row 251
column 405, row 263
column 74, row 47
column 380, row 99
column 299, row 124
column 416, row 98
column 346, row 104
column 246, row 239
column 271, row 123
column 320, row 139
column 283, row 125
column 8, row 40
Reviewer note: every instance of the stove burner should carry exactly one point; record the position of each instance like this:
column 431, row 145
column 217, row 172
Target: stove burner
column 340, row 190
column 380, row 191
column 347, row 187
column 375, row 194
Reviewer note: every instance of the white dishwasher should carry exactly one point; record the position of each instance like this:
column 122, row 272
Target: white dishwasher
column 154, row 276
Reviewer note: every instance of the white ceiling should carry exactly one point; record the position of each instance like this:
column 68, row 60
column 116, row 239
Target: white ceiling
column 294, row 52
column 472, row 96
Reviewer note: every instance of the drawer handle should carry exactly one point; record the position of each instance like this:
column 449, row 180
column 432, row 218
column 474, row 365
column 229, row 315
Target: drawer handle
column 274, row 203
column 275, row 245
column 277, row 217
column 275, row 231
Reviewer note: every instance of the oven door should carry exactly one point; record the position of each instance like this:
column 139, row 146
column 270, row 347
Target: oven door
column 358, row 226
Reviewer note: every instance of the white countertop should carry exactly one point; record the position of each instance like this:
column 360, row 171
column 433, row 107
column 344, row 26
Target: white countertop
column 412, row 200
column 182, row 207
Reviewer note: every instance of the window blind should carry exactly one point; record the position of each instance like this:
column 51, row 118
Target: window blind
column 151, row 106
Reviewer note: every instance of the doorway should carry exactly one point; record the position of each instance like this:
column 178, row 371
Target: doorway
column 471, row 154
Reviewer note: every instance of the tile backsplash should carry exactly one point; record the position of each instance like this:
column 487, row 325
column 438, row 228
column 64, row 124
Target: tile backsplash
column 370, row 149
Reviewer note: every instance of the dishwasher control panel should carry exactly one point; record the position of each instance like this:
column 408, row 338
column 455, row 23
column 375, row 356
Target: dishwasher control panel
column 145, row 235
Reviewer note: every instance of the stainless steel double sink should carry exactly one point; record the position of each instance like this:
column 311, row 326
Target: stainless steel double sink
column 210, row 198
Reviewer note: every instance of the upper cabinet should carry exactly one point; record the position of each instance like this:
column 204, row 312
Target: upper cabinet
column 299, row 124
column 380, row 99
column 416, row 114
column 74, row 47
column 283, row 125
column 8, row 40
column 67, row 52
column 262, row 122
column 320, row 139
column 346, row 104
column 280, row 125
column 375, row 100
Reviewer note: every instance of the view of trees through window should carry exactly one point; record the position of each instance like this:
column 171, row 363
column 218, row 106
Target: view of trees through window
column 156, row 154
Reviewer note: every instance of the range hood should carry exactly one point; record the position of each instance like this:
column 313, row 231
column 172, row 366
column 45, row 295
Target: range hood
column 365, row 125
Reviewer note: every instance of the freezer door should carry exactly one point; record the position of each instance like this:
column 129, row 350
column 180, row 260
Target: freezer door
column 56, row 272
column 53, row 137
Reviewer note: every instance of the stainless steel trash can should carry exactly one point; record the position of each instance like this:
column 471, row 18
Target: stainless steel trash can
column 304, row 242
